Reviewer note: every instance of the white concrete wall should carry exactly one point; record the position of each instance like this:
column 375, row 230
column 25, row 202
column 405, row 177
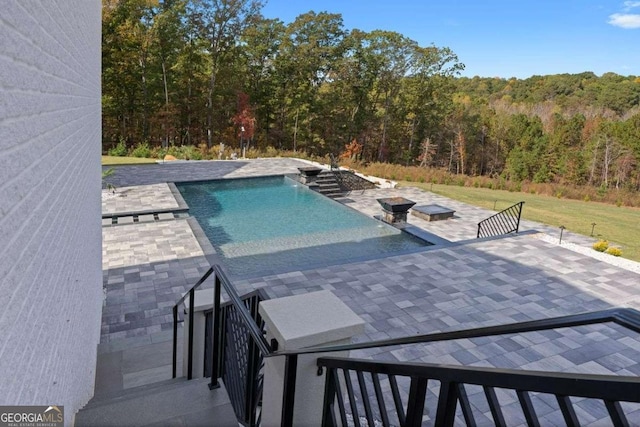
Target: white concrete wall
column 50, row 235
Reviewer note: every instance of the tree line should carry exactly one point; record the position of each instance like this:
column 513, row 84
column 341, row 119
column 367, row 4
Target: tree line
column 206, row 72
column 569, row 128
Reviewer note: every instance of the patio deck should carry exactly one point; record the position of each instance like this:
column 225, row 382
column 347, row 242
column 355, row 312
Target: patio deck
column 471, row 283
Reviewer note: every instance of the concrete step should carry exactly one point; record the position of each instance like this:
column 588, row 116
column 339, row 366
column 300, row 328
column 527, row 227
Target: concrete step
column 326, row 178
column 172, row 402
column 327, row 183
column 134, row 392
column 329, row 186
column 334, row 195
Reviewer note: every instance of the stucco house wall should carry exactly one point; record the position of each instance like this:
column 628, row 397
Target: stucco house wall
column 50, row 232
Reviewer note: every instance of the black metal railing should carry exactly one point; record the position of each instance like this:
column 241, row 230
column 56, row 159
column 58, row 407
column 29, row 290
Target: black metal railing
column 333, row 162
column 626, row 317
column 504, row 222
column 191, row 295
column 238, row 357
column 395, row 393
column 353, row 395
column 354, row 391
column 259, row 348
column 240, row 363
column 336, row 172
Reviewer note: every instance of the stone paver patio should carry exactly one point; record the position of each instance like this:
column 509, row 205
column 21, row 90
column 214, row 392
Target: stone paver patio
column 147, row 267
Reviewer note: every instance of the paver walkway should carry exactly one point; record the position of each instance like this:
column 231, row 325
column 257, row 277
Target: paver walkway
column 142, row 198
column 148, row 266
column 464, row 224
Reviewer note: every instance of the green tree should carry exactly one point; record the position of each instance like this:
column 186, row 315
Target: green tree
column 310, row 48
column 261, row 48
column 220, row 23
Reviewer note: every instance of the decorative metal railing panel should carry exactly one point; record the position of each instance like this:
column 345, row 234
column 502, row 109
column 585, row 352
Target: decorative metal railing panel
column 240, row 363
column 368, row 393
column 504, row 222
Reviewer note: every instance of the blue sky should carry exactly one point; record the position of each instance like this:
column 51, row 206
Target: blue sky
column 501, row 38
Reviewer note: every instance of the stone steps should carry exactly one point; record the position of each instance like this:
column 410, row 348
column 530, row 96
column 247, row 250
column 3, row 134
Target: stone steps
column 170, row 402
column 328, row 185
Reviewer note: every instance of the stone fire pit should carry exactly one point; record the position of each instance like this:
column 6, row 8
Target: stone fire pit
column 308, row 174
column 395, row 209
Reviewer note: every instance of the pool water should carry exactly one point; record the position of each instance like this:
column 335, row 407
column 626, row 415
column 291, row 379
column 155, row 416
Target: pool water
column 266, row 225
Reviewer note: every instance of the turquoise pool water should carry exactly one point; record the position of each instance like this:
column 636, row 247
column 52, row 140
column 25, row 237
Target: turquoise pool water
column 265, row 225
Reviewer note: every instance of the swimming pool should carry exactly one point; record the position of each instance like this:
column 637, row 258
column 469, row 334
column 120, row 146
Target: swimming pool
column 267, row 225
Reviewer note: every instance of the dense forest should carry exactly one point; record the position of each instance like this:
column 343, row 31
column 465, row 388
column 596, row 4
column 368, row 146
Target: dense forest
column 208, row 72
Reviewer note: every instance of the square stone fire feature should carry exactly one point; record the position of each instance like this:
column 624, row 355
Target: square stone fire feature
column 395, row 209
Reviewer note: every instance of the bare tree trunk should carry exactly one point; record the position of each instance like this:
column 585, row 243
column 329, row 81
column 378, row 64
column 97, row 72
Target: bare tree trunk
column 189, row 112
column 382, row 147
column 452, row 145
column 426, row 153
column 145, row 100
column 383, row 143
column 413, row 126
column 607, row 160
column 165, row 143
column 212, row 83
column 460, row 145
column 594, row 162
column 295, row 132
column 483, row 159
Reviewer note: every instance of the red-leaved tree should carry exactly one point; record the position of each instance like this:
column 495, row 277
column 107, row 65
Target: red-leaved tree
column 245, row 119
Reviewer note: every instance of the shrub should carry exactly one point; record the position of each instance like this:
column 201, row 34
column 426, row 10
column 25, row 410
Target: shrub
column 174, row 151
column 141, row 150
column 189, row 152
column 602, row 190
column 119, row 150
column 614, row 251
column 203, row 150
column 107, row 182
column 271, row 152
column 157, row 153
column 601, row 245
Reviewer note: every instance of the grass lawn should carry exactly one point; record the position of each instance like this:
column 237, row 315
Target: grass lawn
column 620, row 225
column 115, row 160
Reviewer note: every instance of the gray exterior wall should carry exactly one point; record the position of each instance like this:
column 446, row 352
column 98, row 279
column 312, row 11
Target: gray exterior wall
column 50, row 233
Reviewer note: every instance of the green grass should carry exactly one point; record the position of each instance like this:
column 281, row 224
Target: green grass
column 620, row 225
column 115, row 160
